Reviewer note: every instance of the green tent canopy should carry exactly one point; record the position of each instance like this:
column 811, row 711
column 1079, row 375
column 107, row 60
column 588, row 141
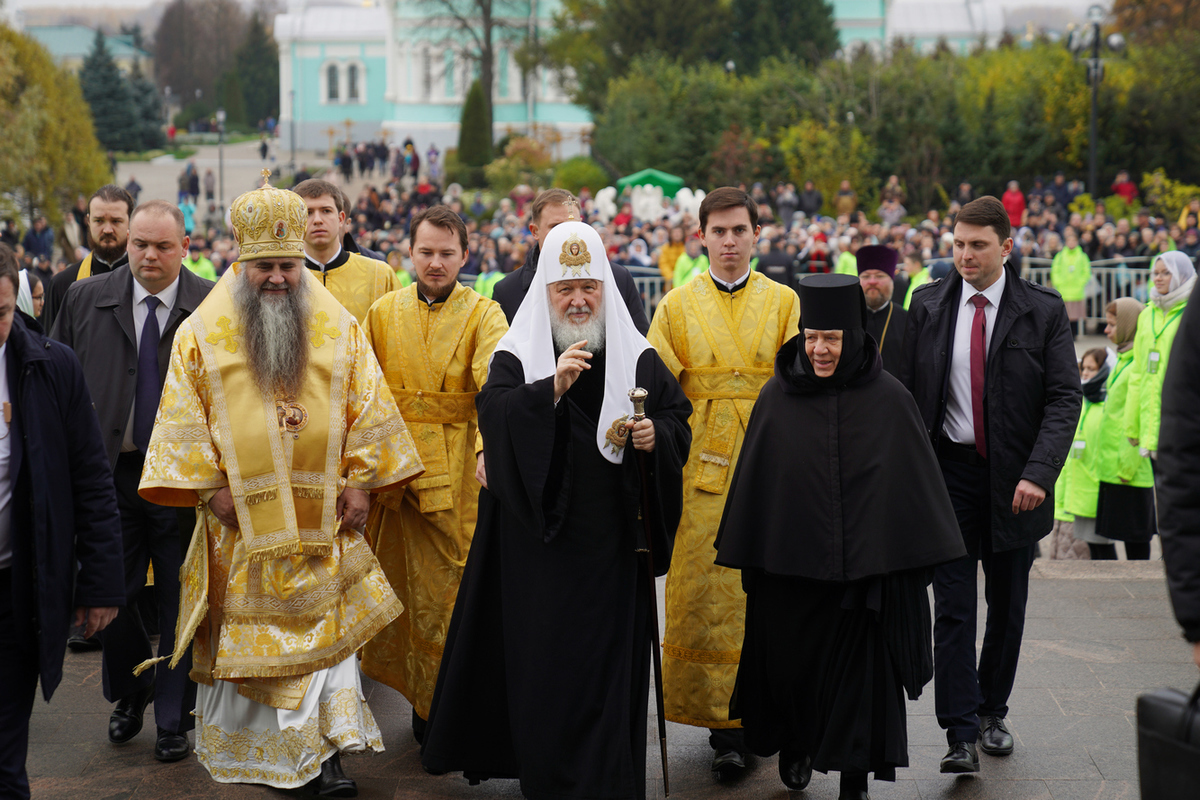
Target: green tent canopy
column 670, row 184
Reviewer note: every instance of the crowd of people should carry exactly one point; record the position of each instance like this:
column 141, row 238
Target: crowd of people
column 322, row 437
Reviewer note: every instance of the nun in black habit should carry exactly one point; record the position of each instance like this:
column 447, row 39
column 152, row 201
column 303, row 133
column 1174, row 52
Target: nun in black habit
column 546, row 669
column 835, row 516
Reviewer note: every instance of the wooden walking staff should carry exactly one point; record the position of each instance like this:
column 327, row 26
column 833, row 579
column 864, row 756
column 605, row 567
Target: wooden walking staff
column 638, row 396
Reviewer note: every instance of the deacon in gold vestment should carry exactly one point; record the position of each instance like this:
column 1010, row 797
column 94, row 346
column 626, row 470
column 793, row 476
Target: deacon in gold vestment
column 355, row 280
column 718, row 334
column 434, row 341
column 276, row 419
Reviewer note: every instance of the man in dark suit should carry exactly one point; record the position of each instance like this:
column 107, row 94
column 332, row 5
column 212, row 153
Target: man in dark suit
column 548, row 209
column 121, row 326
column 989, row 359
column 108, row 213
column 60, row 536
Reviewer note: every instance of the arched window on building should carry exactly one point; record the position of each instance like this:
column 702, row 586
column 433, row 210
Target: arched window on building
column 353, row 95
column 332, row 84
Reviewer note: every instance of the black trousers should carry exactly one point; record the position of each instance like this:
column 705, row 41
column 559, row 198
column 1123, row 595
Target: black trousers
column 151, row 535
column 18, row 685
column 965, row 689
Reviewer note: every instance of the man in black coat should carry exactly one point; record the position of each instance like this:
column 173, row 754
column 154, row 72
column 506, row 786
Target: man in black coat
column 1177, row 477
column 107, row 219
column 60, row 536
column 121, row 326
column 989, row 359
column 548, row 209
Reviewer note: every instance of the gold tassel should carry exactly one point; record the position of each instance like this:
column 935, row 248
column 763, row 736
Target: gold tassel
column 145, row 665
column 262, row 497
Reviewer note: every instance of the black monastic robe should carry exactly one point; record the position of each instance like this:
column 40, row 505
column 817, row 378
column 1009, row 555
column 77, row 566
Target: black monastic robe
column 545, row 673
column 836, row 513
column 886, row 327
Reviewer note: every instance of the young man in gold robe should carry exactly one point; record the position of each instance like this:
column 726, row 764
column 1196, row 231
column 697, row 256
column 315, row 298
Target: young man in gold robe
column 434, row 340
column 718, row 334
column 355, row 280
column 276, row 420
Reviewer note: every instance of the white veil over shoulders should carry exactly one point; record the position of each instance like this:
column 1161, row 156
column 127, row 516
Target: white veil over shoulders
column 574, row 251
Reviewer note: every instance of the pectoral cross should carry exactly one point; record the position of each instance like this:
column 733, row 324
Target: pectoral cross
column 319, row 331
column 228, row 334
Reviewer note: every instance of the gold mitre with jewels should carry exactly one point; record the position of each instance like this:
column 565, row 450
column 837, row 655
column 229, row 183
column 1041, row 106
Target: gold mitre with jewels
column 269, row 223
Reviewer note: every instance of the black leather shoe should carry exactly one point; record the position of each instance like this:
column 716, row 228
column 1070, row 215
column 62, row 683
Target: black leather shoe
column 171, row 746
column 418, row 728
column 78, row 644
column 961, row 757
column 729, row 765
column 795, row 770
column 994, row 738
column 332, row 782
column 126, row 720
column 854, row 794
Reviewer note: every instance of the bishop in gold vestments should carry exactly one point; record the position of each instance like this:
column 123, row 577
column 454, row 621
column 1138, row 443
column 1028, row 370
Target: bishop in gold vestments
column 277, row 591
column 721, row 346
column 435, row 359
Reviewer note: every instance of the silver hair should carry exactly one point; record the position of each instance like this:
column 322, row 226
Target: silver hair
column 275, row 334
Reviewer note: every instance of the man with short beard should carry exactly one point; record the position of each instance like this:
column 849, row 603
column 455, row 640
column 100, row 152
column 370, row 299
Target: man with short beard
column 885, row 320
column 433, row 340
column 108, row 213
column 546, row 670
column 277, row 421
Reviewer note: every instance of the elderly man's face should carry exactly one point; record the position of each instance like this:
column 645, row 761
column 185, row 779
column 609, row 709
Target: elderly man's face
column 274, row 277
column 824, row 350
column 576, row 301
column 877, row 285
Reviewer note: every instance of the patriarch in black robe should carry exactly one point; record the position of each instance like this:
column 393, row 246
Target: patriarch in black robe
column 835, row 562
column 546, row 670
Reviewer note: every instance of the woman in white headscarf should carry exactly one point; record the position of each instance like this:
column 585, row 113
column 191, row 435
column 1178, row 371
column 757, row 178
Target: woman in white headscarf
column 1173, row 277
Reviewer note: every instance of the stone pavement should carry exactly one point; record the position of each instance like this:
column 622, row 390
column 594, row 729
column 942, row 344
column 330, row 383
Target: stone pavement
column 1097, row 635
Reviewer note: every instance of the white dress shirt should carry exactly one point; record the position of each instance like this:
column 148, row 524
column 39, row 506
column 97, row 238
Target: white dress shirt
column 959, row 425
column 166, row 302
column 6, row 478
column 728, row 284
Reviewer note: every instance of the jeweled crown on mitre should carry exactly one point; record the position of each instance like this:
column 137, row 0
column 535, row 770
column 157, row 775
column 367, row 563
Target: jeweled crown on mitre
column 269, row 223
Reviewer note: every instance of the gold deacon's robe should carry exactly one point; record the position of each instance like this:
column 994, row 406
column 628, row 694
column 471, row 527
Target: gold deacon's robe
column 722, row 349
column 287, row 594
column 358, row 283
column 435, row 360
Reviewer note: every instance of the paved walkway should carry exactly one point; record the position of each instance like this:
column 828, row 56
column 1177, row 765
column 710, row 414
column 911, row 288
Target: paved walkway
column 1098, row 634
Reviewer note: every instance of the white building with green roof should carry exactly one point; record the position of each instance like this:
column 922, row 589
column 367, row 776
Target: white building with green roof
column 69, row 45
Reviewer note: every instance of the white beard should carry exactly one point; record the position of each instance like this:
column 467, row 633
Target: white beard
column 567, row 333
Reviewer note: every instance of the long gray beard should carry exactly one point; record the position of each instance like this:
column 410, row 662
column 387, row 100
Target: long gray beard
column 568, row 333
column 275, row 334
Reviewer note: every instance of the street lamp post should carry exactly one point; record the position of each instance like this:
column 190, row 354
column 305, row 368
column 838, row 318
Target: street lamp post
column 221, row 156
column 292, row 126
column 1081, row 41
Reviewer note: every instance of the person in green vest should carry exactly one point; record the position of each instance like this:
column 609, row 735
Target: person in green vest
column 690, row 264
column 1070, row 272
column 847, row 260
column 1062, row 542
column 395, row 260
column 1125, row 510
column 199, row 264
column 488, row 277
column 918, row 275
column 1080, row 482
column 1173, row 276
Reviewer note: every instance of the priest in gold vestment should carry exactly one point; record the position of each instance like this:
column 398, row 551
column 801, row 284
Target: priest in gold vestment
column 355, row 280
column 276, row 420
column 433, row 340
column 718, row 335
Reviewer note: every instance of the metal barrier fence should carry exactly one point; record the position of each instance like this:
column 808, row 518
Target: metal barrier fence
column 1111, row 278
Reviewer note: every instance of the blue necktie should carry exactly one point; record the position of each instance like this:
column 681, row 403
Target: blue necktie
column 145, row 398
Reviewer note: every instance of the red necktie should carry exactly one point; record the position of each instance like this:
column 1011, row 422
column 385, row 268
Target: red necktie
column 978, row 358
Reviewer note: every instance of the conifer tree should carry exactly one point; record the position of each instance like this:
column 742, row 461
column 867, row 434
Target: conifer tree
column 110, row 97
column 474, row 138
column 149, row 108
column 257, row 63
